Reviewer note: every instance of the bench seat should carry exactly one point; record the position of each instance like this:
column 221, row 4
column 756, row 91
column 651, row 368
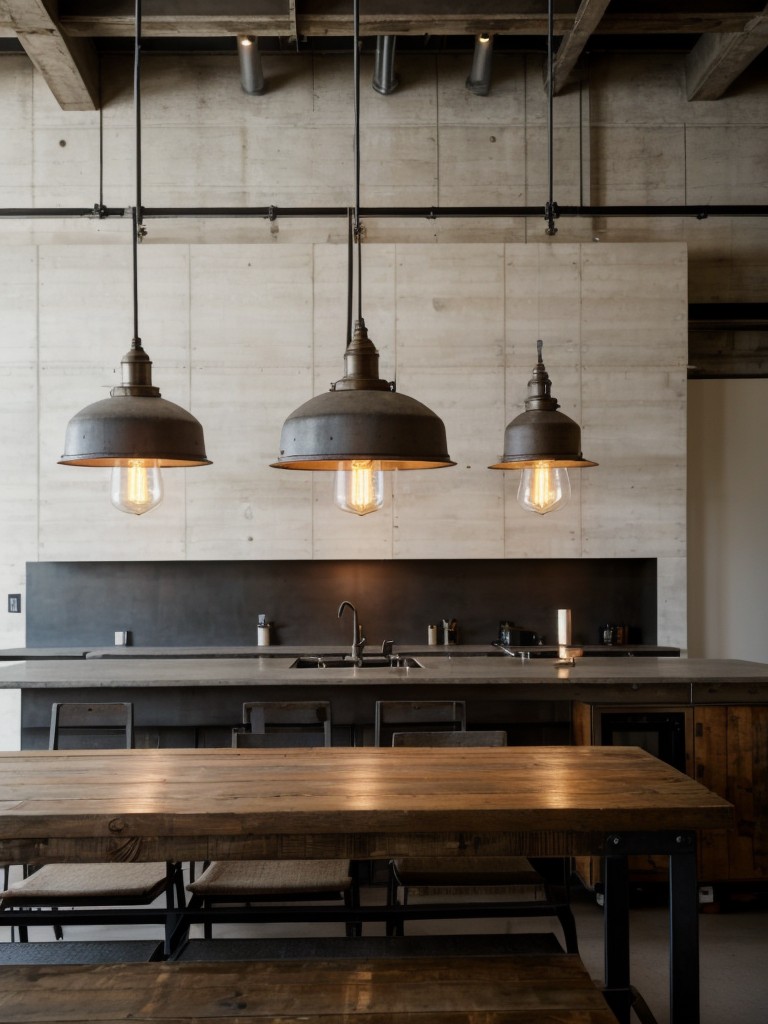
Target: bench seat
column 525, row 989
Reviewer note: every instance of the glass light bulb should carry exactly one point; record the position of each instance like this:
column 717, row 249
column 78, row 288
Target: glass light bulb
column 543, row 488
column 361, row 488
column 137, row 486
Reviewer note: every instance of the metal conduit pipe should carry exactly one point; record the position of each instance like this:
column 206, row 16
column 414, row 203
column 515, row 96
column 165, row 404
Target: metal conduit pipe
column 385, row 80
column 251, row 72
column 479, row 81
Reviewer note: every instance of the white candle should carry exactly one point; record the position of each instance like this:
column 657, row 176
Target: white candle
column 564, row 626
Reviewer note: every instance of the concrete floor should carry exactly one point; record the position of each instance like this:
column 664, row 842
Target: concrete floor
column 733, row 947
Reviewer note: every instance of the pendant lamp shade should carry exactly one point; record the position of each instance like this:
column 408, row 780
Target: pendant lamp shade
column 134, row 423
column 541, row 434
column 362, row 417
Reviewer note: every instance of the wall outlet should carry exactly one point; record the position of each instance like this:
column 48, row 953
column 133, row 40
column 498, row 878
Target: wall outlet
column 706, row 894
column 14, row 602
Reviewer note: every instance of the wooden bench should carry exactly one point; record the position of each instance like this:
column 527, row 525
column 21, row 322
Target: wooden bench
column 524, row 989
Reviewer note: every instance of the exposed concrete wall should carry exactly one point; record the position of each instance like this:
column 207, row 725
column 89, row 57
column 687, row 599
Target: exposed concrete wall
column 244, row 318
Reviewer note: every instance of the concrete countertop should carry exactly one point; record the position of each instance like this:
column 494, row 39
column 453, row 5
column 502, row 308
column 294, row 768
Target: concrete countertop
column 650, row 680
column 296, row 650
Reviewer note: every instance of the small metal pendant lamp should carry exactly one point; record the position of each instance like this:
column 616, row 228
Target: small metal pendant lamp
column 541, row 441
column 362, row 427
column 545, row 444
column 135, row 431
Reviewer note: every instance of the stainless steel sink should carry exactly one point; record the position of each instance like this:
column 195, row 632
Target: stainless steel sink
column 371, row 661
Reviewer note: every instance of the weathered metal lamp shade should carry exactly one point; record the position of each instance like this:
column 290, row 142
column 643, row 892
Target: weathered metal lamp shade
column 134, row 423
column 362, row 418
column 544, row 444
column 541, row 433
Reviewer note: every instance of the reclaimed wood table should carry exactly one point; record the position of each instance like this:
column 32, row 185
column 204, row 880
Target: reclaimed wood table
column 377, row 803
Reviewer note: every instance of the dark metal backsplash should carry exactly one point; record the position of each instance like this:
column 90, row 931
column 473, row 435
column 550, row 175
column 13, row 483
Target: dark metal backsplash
column 181, row 604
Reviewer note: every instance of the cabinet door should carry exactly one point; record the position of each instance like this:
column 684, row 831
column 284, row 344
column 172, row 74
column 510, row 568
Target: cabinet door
column 731, row 754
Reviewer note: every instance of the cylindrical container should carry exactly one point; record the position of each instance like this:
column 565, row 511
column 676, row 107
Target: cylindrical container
column 564, row 626
column 432, row 636
column 264, row 635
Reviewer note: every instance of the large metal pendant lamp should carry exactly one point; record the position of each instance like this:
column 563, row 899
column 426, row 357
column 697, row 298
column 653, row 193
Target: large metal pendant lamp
column 135, row 431
column 541, row 442
column 362, row 427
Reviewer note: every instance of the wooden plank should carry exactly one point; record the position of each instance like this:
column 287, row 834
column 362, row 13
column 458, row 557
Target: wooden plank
column 433, row 990
column 69, row 66
column 747, row 750
column 398, row 17
column 716, row 61
column 588, row 17
column 710, row 769
column 380, row 802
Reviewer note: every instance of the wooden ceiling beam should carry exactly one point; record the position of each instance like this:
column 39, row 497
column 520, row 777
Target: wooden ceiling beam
column 716, row 62
column 212, row 18
column 588, row 17
column 70, row 67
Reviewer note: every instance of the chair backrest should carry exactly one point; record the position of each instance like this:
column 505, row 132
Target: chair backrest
column 428, row 715
column 469, row 738
column 91, row 726
column 298, row 723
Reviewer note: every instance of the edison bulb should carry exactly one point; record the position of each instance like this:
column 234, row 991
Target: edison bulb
column 361, row 488
column 137, row 486
column 543, row 488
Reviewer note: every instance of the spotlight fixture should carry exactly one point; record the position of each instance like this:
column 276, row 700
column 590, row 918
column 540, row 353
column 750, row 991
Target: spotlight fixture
column 384, row 78
column 479, row 81
column 251, row 71
column 362, row 427
column 135, row 431
column 544, row 444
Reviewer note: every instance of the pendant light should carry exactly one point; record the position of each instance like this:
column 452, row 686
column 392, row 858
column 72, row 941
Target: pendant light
column 542, row 442
column 135, row 431
column 362, row 427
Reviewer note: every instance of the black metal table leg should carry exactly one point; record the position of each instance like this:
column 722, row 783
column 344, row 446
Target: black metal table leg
column 683, row 933
column 616, row 936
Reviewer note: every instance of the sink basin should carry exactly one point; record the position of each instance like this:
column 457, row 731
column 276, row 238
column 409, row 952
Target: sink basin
column 371, row 661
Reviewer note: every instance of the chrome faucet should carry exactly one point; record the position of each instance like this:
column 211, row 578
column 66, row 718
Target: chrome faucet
column 358, row 640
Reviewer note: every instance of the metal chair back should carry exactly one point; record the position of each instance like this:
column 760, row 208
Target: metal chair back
column 91, row 726
column 300, row 723
column 426, row 715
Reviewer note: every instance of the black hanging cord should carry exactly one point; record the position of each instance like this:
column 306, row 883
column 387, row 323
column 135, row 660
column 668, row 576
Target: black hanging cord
column 138, row 229
column 356, row 66
column 550, row 210
column 350, row 283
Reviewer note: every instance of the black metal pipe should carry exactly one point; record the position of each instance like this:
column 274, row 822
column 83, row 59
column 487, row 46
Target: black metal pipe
column 416, row 212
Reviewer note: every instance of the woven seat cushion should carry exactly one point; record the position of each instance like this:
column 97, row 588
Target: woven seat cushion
column 61, row 882
column 466, row 871
column 271, row 877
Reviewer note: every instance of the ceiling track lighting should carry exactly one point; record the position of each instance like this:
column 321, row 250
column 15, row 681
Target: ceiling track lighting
column 479, row 81
column 251, row 71
column 362, row 427
column 541, row 442
column 385, row 81
column 135, row 431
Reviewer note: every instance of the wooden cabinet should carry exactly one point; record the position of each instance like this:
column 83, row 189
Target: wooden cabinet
column 726, row 749
column 730, row 756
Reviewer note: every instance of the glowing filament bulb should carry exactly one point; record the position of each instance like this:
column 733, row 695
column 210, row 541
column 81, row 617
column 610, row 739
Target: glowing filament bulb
column 543, row 488
column 360, row 489
column 137, row 486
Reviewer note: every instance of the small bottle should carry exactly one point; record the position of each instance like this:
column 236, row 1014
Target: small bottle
column 432, row 636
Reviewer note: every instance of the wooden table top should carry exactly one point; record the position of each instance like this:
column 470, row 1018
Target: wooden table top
column 155, row 804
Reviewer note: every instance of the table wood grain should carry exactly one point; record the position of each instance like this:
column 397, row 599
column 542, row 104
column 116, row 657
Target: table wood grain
column 148, row 805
